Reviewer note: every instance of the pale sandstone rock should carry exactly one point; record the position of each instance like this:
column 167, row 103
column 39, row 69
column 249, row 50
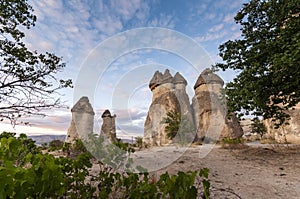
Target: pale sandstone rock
column 154, row 131
column 286, row 133
column 210, row 111
column 82, row 122
column 108, row 128
column 169, row 94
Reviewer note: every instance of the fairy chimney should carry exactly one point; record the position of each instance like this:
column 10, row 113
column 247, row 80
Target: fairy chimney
column 209, row 109
column 169, row 94
column 108, row 128
column 82, row 122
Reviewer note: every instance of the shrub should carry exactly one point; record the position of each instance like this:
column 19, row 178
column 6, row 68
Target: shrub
column 56, row 145
column 139, row 142
column 258, row 127
column 25, row 172
column 179, row 126
column 230, row 143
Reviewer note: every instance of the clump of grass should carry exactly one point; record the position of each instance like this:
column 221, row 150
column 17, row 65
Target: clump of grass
column 232, row 143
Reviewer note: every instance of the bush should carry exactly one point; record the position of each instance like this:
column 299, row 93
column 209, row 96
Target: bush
column 139, row 142
column 232, row 143
column 55, row 145
column 25, row 172
column 258, row 127
column 178, row 126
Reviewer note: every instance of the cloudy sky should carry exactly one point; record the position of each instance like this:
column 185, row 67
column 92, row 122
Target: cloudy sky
column 113, row 47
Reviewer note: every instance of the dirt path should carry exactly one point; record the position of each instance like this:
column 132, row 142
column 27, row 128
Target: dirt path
column 249, row 172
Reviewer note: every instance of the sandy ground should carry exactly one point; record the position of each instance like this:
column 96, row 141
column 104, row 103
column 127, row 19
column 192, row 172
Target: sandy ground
column 251, row 171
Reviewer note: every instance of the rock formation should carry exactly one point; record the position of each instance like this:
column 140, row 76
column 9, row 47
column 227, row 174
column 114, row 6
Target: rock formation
column 169, row 94
column 290, row 132
column 210, row 111
column 82, row 122
column 180, row 92
column 108, row 128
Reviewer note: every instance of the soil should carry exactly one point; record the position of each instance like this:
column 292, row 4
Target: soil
column 243, row 171
column 236, row 171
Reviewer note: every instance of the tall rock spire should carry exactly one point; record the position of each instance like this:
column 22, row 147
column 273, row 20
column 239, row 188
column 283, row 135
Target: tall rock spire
column 208, row 77
column 82, row 122
column 108, row 126
column 169, row 94
column 210, row 111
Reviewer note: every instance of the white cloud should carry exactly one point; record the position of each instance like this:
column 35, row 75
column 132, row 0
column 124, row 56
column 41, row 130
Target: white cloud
column 229, row 18
column 210, row 36
column 163, row 20
column 57, row 121
column 209, row 16
column 108, row 25
column 201, row 9
column 129, row 9
column 216, row 28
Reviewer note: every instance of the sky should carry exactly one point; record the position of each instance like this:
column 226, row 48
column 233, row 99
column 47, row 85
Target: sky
column 113, row 47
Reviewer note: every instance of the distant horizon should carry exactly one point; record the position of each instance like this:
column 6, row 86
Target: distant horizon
column 34, row 129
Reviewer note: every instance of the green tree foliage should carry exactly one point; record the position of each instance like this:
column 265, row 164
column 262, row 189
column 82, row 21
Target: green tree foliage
column 139, row 142
column 179, row 126
column 27, row 78
column 25, row 172
column 173, row 121
column 56, row 145
column 267, row 58
column 257, row 126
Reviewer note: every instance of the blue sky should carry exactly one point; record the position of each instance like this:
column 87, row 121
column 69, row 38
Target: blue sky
column 76, row 29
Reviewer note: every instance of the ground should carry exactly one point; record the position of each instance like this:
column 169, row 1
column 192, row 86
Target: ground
column 249, row 171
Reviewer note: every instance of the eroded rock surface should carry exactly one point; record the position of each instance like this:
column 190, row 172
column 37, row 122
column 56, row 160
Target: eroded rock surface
column 82, row 122
column 286, row 133
column 108, row 126
column 169, row 94
column 209, row 108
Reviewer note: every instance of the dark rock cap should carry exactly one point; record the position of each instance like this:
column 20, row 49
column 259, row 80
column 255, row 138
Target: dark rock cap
column 156, row 80
column 159, row 79
column 106, row 113
column 167, row 77
column 208, row 77
column 83, row 106
column 179, row 79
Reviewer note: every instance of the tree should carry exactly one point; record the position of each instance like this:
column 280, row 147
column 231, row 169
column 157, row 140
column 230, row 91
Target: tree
column 27, row 78
column 178, row 124
column 258, row 127
column 173, row 121
column 267, row 59
column 56, row 145
column 139, row 141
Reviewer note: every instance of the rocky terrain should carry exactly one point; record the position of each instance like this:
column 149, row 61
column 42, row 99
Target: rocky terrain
column 256, row 171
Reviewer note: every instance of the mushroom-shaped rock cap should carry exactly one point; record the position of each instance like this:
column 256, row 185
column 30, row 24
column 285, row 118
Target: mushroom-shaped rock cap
column 83, row 106
column 179, row 79
column 208, row 77
column 167, row 77
column 106, row 113
column 156, row 80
